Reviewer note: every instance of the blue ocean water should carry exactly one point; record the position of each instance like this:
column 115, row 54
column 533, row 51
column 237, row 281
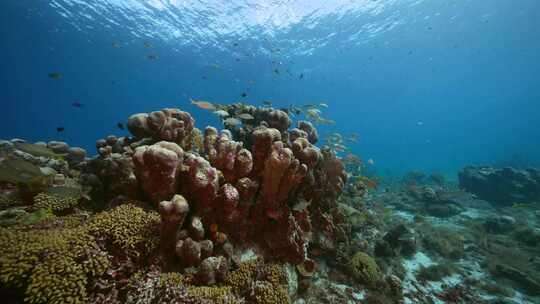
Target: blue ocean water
column 428, row 85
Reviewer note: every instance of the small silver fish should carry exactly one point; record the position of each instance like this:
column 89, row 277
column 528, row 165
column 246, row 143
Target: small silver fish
column 246, row 116
column 221, row 113
column 232, row 121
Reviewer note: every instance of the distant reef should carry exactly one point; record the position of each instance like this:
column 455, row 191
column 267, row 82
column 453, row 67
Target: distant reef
column 501, row 186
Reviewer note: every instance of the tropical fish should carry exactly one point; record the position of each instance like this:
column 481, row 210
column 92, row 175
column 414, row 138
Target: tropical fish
column 295, row 110
column 371, row 161
column 267, row 103
column 324, row 121
column 246, row 116
column 301, row 76
column 221, row 113
column 205, row 105
column 244, row 94
column 60, row 129
column 152, row 56
column 147, row 45
column 77, row 104
column 352, row 138
column 120, row 126
column 232, row 121
column 115, row 45
column 324, row 105
column 55, row 75
column 276, row 71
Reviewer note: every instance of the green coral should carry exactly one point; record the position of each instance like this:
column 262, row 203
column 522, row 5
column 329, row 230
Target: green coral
column 127, row 227
column 364, row 268
column 53, row 266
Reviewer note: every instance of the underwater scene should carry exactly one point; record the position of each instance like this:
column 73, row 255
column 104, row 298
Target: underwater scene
column 270, row 151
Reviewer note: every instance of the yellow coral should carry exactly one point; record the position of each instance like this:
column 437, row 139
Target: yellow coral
column 128, row 227
column 267, row 293
column 274, row 274
column 241, row 278
column 54, row 265
column 54, row 203
column 364, row 268
column 215, row 294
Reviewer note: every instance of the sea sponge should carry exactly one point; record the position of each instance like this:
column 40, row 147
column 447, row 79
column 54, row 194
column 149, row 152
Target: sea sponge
column 364, row 268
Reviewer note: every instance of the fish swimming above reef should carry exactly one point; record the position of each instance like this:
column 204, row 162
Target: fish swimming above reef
column 221, row 113
column 77, row 104
column 246, row 116
column 232, row 121
column 120, row 126
column 371, row 161
column 267, row 103
column 205, row 105
column 60, row 129
column 352, row 138
column 55, row 75
column 244, row 94
column 152, row 56
column 147, row 45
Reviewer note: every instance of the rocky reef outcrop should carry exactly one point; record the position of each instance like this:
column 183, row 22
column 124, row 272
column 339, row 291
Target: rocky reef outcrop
column 502, row 186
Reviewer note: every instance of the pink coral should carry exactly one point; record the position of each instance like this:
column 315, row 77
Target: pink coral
column 168, row 124
column 227, row 155
column 173, row 214
column 199, row 182
column 156, row 169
